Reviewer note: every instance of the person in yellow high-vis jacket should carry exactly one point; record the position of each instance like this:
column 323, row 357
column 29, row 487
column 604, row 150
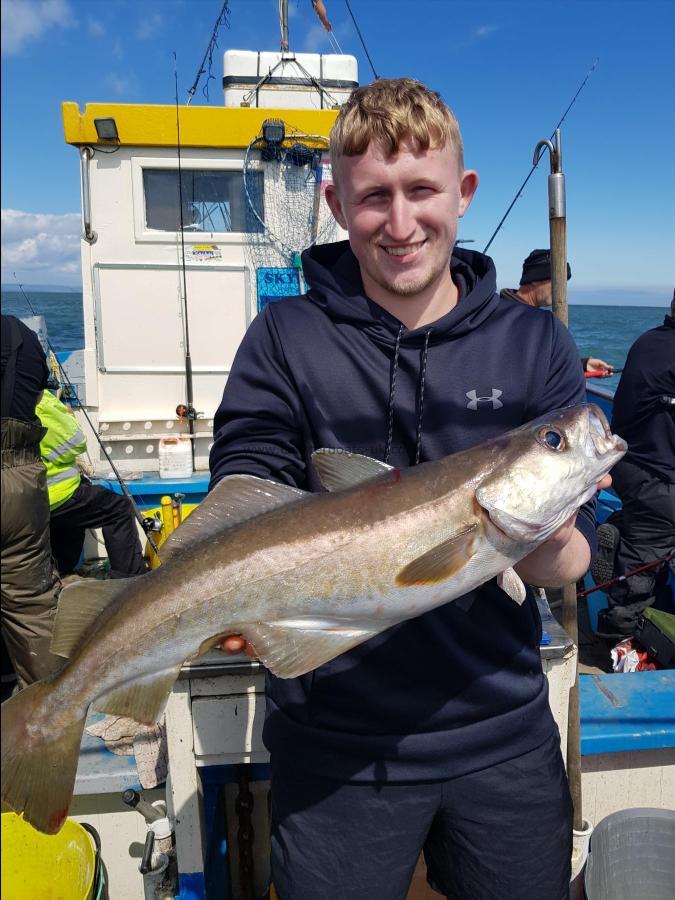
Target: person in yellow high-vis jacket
column 76, row 504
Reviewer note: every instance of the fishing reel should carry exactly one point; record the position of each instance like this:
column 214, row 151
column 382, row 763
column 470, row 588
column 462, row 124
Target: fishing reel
column 152, row 524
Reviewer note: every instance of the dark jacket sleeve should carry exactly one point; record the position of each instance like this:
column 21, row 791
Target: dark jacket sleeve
column 564, row 385
column 258, row 425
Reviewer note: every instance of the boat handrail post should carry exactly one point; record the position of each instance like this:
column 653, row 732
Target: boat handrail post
column 89, row 235
column 557, row 216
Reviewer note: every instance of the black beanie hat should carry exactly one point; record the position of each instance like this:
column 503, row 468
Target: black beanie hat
column 537, row 267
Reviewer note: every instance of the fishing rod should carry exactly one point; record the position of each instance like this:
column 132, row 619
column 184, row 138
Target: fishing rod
column 183, row 411
column 598, row 373
column 363, row 43
column 619, row 578
column 538, row 158
column 125, row 490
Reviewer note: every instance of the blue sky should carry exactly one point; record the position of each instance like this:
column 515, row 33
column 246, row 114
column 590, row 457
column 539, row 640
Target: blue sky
column 508, row 69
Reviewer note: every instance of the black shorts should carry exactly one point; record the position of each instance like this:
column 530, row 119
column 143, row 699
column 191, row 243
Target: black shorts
column 503, row 833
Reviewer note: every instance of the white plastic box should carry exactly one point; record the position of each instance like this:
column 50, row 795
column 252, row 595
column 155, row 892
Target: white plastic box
column 288, row 86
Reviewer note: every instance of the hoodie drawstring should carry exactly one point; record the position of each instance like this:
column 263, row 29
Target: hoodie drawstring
column 392, row 391
column 423, row 374
column 420, row 395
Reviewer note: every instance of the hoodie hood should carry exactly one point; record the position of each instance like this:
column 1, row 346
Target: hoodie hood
column 334, row 284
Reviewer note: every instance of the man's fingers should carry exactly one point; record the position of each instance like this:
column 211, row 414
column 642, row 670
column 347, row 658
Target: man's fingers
column 605, row 483
column 235, row 643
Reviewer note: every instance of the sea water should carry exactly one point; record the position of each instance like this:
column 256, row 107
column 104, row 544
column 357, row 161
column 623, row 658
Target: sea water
column 605, row 332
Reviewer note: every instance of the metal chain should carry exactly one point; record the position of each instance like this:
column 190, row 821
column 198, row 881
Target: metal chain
column 245, row 834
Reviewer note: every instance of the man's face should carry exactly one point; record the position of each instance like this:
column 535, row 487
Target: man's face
column 401, row 213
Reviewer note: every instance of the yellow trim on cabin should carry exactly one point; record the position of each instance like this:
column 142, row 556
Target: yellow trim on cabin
column 200, row 126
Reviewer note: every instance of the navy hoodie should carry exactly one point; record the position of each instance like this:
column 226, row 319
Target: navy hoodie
column 461, row 687
column 643, row 404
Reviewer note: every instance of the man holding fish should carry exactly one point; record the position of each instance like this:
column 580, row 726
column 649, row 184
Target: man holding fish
column 435, row 734
column 437, row 417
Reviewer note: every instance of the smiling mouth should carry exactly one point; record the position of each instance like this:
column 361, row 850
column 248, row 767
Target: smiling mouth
column 407, row 250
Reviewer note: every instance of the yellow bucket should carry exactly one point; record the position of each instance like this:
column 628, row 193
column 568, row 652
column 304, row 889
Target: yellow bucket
column 49, row 867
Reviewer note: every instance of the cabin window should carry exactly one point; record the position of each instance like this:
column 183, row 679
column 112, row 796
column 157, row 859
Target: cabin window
column 213, row 200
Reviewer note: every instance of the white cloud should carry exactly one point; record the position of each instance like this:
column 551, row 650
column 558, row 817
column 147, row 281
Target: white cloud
column 94, row 27
column 484, row 30
column 149, row 26
column 24, row 21
column 41, row 242
column 121, row 85
column 477, row 34
column 317, row 40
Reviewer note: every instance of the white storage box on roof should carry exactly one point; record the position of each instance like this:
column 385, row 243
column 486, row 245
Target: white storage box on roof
column 289, row 82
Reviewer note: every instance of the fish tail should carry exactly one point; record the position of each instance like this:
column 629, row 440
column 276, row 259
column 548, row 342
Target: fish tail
column 38, row 768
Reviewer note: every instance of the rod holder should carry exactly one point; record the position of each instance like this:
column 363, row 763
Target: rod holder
column 556, row 180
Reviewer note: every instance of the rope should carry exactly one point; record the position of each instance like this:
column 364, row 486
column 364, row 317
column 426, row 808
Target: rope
column 209, row 53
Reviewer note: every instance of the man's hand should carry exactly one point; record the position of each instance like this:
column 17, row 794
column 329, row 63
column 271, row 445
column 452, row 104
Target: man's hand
column 235, row 643
column 599, row 365
column 563, row 558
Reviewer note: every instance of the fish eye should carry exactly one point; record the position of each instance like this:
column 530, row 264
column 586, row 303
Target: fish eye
column 551, row 438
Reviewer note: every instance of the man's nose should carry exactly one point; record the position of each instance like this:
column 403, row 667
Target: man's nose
column 401, row 222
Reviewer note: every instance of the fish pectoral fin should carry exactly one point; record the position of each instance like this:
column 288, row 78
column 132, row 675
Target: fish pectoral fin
column 80, row 605
column 511, row 583
column 340, row 469
column 142, row 699
column 441, row 562
column 233, row 500
column 292, row 649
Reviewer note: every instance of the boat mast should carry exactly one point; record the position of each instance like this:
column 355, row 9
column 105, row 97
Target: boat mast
column 283, row 22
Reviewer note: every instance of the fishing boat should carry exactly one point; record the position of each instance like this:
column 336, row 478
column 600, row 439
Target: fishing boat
column 193, row 220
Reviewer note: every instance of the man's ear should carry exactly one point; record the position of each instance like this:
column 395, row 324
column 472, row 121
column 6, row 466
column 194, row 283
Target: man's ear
column 467, row 187
column 333, row 201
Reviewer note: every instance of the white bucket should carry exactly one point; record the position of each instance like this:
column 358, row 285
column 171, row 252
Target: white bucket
column 175, row 457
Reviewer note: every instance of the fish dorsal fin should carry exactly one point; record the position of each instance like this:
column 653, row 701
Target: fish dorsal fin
column 292, row 648
column 142, row 699
column 340, row 469
column 511, row 583
column 233, row 500
column 80, row 606
column 442, row 561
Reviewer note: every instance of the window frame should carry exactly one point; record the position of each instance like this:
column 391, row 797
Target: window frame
column 143, row 234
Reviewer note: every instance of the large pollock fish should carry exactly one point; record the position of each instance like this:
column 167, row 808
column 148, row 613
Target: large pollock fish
column 302, row 577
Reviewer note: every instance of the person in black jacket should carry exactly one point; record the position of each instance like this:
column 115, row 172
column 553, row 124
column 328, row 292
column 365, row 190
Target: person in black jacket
column 30, row 583
column 436, row 734
column 536, row 289
column 643, row 531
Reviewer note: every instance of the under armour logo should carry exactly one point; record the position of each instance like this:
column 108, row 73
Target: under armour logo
column 474, row 399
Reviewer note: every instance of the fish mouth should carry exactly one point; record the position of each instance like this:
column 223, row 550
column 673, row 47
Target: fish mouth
column 602, row 439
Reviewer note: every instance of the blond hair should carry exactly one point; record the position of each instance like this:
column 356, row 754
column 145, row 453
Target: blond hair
column 390, row 111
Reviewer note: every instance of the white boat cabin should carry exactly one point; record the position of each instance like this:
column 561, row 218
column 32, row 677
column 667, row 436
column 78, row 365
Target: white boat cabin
column 250, row 198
